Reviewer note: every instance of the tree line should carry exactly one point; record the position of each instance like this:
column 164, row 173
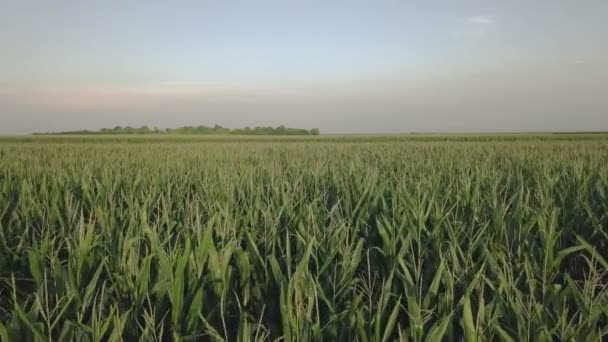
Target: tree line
column 217, row 129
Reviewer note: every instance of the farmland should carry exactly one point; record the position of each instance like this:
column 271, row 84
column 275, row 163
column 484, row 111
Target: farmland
column 374, row 238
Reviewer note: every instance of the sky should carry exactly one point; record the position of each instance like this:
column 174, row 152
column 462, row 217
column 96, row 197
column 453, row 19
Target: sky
column 375, row 66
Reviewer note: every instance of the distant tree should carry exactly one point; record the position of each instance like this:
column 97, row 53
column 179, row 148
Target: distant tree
column 216, row 129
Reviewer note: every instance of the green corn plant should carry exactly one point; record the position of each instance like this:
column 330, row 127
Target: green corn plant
column 411, row 238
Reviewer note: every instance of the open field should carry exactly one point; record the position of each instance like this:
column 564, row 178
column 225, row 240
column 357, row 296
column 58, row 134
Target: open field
column 368, row 238
column 353, row 138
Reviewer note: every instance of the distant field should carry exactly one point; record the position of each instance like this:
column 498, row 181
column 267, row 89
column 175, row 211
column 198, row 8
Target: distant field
column 166, row 138
column 368, row 238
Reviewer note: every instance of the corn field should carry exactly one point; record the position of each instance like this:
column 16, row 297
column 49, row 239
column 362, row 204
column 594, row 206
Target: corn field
column 354, row 240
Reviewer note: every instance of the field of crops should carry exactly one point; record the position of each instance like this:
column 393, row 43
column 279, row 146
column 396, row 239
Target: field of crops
column 334, row 239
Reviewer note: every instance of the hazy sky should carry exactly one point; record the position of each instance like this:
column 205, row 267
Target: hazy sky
column 342, row 66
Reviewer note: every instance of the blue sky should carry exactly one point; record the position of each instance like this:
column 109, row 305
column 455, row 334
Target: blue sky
column 342, row 66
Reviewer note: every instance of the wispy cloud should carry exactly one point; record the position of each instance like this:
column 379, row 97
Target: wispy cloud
column 577, row 62
column 473, row 27
column 481, row 20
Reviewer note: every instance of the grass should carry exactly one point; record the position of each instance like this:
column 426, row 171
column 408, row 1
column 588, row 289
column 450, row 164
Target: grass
column 319, row 238
column 326, row 138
